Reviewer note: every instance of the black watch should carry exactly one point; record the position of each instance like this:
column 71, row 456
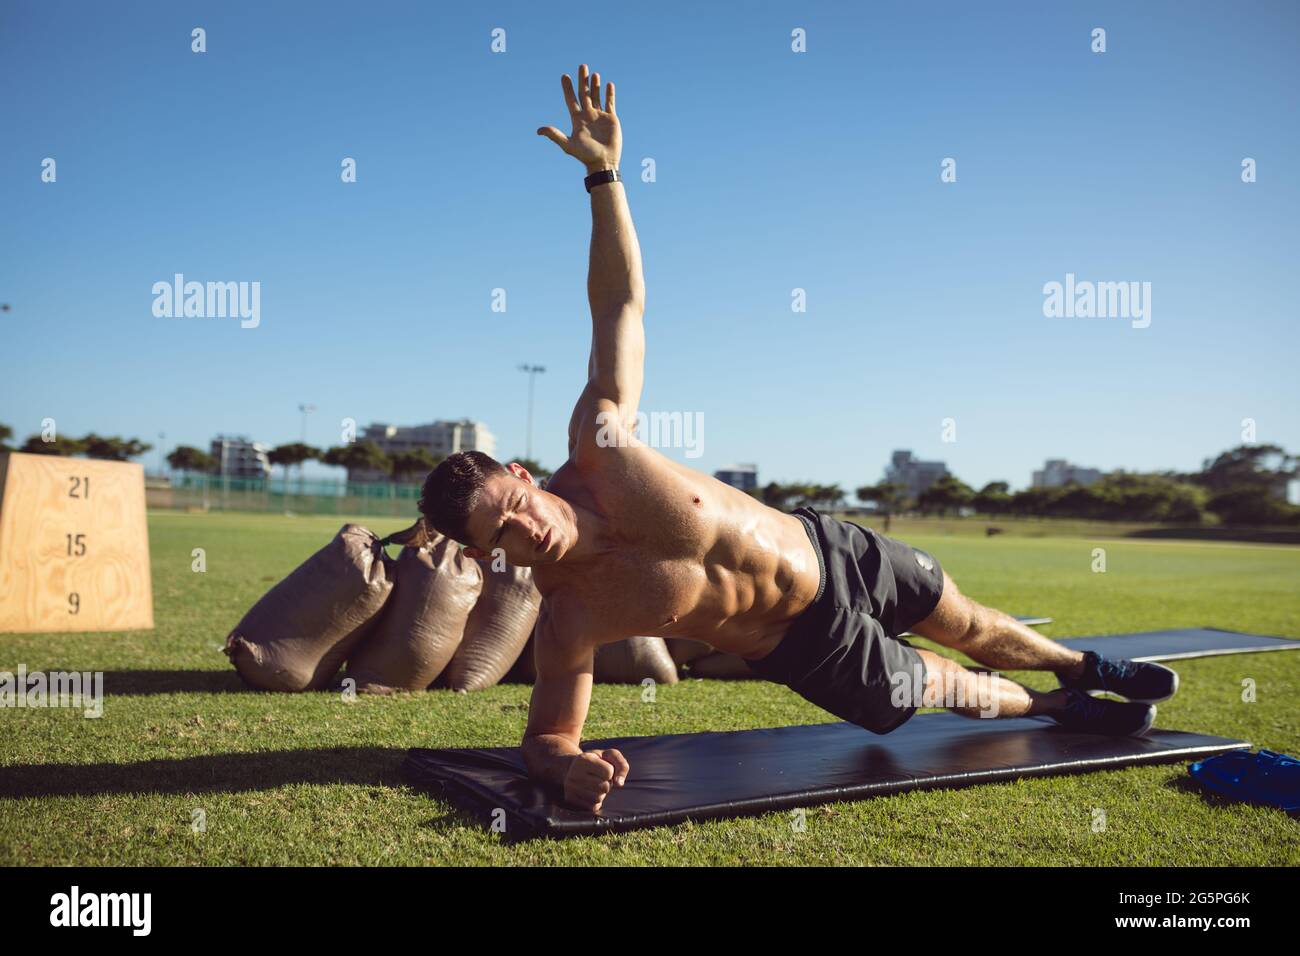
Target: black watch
column 600, row 177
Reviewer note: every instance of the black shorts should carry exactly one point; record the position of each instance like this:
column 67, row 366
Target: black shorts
column 843, row 652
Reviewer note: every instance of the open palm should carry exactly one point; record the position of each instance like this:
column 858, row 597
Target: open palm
column 596, row 140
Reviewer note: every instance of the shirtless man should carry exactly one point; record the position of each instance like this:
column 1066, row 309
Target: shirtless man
column 624, row 541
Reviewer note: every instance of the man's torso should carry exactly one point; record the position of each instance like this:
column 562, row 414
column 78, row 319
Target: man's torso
column 689, row 557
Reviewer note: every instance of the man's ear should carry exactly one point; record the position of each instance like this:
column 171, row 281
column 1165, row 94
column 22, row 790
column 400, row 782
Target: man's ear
column 520, row 472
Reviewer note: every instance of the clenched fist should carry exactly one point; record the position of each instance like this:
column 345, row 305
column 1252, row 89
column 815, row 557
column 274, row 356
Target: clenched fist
column 591, row 776
column 596, row 140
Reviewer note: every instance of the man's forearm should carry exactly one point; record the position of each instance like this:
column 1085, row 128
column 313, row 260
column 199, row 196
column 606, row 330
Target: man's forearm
column 614, row 277
column 547, row 757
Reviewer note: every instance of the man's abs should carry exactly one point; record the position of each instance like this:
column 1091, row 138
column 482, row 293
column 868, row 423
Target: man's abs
column 694, row 558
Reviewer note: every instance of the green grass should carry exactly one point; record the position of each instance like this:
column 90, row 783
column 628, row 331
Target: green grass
column 311, row 779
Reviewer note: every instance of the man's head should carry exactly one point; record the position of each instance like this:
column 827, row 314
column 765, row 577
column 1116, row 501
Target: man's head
column 474, row 499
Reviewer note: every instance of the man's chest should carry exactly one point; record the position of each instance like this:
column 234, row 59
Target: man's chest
column 629, row 595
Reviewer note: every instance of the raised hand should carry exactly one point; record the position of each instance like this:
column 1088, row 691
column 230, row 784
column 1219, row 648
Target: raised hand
column 597, row 139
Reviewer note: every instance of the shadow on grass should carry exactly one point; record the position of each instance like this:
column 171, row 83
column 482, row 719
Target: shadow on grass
column 144, row 683
column 1188, row 785
column 214, row 773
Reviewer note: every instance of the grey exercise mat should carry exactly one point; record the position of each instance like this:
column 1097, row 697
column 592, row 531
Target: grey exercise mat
column 1179, row 643
column 675, row 777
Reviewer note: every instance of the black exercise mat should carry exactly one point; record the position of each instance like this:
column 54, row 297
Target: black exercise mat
column 727, row 774
column 1180, row 643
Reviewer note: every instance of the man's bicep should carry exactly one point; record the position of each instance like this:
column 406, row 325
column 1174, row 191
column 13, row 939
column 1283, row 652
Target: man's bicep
column 618, row 357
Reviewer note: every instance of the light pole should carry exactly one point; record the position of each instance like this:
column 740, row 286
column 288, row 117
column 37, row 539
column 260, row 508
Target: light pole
column 161, row 461
column 532, row 371
column 306, row 410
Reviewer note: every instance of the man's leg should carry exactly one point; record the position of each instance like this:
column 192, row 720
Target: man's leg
column 983, row 694
column 993, row 638
column 998, row 640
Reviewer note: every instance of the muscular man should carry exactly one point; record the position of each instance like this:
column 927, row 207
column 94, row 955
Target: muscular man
column 623, row 542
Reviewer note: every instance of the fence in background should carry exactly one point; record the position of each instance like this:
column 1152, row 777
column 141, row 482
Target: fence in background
column 300, row 496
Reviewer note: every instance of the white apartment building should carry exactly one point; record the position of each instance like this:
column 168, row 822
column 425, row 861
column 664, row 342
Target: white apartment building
column 439, row 439
column 1057, row 473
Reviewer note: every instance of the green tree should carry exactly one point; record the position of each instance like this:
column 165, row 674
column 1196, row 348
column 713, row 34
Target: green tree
column 993, row 499
column 66, row 446
column 358, row 456
column 948, row 494
column 406, row 464
column 187, row 459
column 112, row 447
column 889, row 497
column 6, row 433
column 1252, row 506
column 1249, row 466
column 294, row 453
column 775, row 495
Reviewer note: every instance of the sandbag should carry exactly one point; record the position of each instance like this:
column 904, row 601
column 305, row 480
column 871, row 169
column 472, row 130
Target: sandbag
column 632, row 660
column 423, row 622
column 524, row 670
column 722, row 665
column 684, row 650
column 497, row 629
column 297, row 636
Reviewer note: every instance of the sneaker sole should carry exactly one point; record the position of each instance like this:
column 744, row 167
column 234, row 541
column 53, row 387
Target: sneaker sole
column 1139, row 732
column 1156, row 700
column 1094, row 691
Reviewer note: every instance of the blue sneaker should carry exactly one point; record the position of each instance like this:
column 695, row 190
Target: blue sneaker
column 1093, row 715
column 1142, row 682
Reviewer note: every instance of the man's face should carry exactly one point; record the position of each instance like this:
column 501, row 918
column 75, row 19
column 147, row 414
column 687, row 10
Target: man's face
column 525, row 522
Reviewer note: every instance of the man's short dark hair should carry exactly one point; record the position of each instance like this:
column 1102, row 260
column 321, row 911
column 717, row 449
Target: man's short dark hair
column 452, row 491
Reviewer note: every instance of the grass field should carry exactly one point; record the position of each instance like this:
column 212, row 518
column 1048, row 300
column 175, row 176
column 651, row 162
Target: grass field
column 311, row 779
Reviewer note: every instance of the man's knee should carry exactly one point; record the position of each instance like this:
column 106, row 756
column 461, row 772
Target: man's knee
column 979, row 622
column 958, row 622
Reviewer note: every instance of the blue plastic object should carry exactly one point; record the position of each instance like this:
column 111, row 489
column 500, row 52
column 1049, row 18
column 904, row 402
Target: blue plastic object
column 1265, row 777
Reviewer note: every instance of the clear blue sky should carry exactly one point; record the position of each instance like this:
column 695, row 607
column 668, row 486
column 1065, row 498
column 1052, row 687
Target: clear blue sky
column 775, row 170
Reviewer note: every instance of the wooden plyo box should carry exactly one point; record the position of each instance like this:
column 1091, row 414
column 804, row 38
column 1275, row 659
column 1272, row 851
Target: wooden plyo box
column 74, row 546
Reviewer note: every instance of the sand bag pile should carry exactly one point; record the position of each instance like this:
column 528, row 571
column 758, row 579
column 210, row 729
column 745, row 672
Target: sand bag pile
column 524, row 670
column 298, row 635
column 721, row 665
column 632, row 660
column 684, row 650
column 423, row 622
column 497, row 630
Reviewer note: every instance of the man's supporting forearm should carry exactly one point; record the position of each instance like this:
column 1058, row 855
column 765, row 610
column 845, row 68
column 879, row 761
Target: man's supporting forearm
column 614, row 277
column 548, row 757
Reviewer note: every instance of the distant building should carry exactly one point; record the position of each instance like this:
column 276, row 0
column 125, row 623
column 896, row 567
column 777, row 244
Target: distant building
column 439, row 439
column 914, row 475
column 237, row 457
column 1057, row 473
column 744, row 477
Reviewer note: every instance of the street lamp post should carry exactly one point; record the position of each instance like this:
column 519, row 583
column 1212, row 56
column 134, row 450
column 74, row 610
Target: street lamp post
column 532, row 371
column 306, row 410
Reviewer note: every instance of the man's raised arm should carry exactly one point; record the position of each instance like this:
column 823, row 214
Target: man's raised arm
column 615, row 284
